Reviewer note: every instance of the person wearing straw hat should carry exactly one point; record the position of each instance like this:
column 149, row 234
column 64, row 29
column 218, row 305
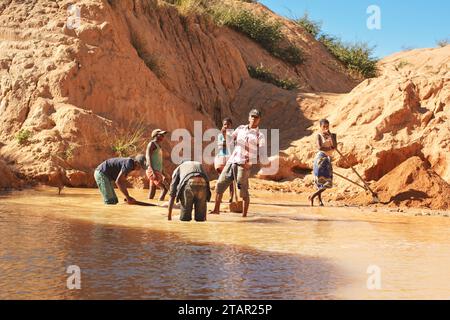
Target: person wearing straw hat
column 117, row 169
column 154, row 156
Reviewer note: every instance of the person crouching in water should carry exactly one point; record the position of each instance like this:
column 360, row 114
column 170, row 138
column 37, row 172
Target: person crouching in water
column 223, row 140
column 323, row 169
column 190, row 186
column 248, row 141
column 154, row 158
column 117, row 169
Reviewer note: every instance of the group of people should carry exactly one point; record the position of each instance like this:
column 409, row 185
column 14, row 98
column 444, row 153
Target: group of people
column 238, row 151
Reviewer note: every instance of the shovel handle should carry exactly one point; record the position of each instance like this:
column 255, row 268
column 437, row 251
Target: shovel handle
column 356, row 172
column 345, row 178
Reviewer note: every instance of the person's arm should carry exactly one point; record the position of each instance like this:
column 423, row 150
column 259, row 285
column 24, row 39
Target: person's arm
column 219, row 142
column 148, row 153
column 223, row 141
column 319, row 142
column 334, row 139
column 173, row 191
column 121, row 182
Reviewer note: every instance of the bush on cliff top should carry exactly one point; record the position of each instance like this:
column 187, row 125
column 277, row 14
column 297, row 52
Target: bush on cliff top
column 313, row 27
column 257, row 27
column 356, row 57
column 260, row 29
column 187, row 7
column 443, row 42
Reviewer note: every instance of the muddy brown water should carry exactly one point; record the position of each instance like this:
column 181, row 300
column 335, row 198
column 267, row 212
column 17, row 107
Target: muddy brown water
column 284, row 250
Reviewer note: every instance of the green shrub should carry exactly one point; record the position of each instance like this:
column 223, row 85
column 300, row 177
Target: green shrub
column 129, row 142
column 265, row 75
column 356, row 57
column 23, row 136
column 443, row 43
column 258, row 28
column 187, row 7
column 313, row 27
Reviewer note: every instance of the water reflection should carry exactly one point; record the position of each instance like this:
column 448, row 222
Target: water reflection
column 283, row 250
column 128, row 263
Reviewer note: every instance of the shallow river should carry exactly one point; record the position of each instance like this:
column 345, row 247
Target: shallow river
column 284, row 250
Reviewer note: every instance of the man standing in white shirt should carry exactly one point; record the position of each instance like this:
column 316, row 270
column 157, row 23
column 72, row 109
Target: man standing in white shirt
column 248, row 140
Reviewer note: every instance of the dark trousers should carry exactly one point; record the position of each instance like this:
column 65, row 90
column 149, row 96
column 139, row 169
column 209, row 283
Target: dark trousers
column 194, row 195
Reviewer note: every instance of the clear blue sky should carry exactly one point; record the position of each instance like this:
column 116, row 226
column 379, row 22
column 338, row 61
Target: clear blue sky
column 404, row 23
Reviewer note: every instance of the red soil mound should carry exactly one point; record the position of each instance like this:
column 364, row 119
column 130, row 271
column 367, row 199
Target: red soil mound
column 414, row 184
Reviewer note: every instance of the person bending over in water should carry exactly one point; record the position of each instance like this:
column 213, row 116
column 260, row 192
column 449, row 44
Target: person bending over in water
column 323, row 169
column 224, row 138
column 190, row 186
column 154, row 158
column 117, row 169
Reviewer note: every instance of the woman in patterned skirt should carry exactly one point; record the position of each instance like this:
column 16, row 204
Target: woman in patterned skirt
column 323, row 169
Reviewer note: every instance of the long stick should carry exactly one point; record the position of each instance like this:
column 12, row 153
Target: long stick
column 374, row 195
column 345, row 178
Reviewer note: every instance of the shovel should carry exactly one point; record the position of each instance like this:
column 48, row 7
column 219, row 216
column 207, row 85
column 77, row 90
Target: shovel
column 366, row 185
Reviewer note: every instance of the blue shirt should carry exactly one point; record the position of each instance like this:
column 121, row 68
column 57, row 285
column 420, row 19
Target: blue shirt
column 112, row 167
column 220, row 141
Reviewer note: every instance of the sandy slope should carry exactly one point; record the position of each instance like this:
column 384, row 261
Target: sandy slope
column 384, row 121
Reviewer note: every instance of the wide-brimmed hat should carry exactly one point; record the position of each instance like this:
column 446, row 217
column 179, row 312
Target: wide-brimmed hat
column 140, row 158
column 157, row 132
